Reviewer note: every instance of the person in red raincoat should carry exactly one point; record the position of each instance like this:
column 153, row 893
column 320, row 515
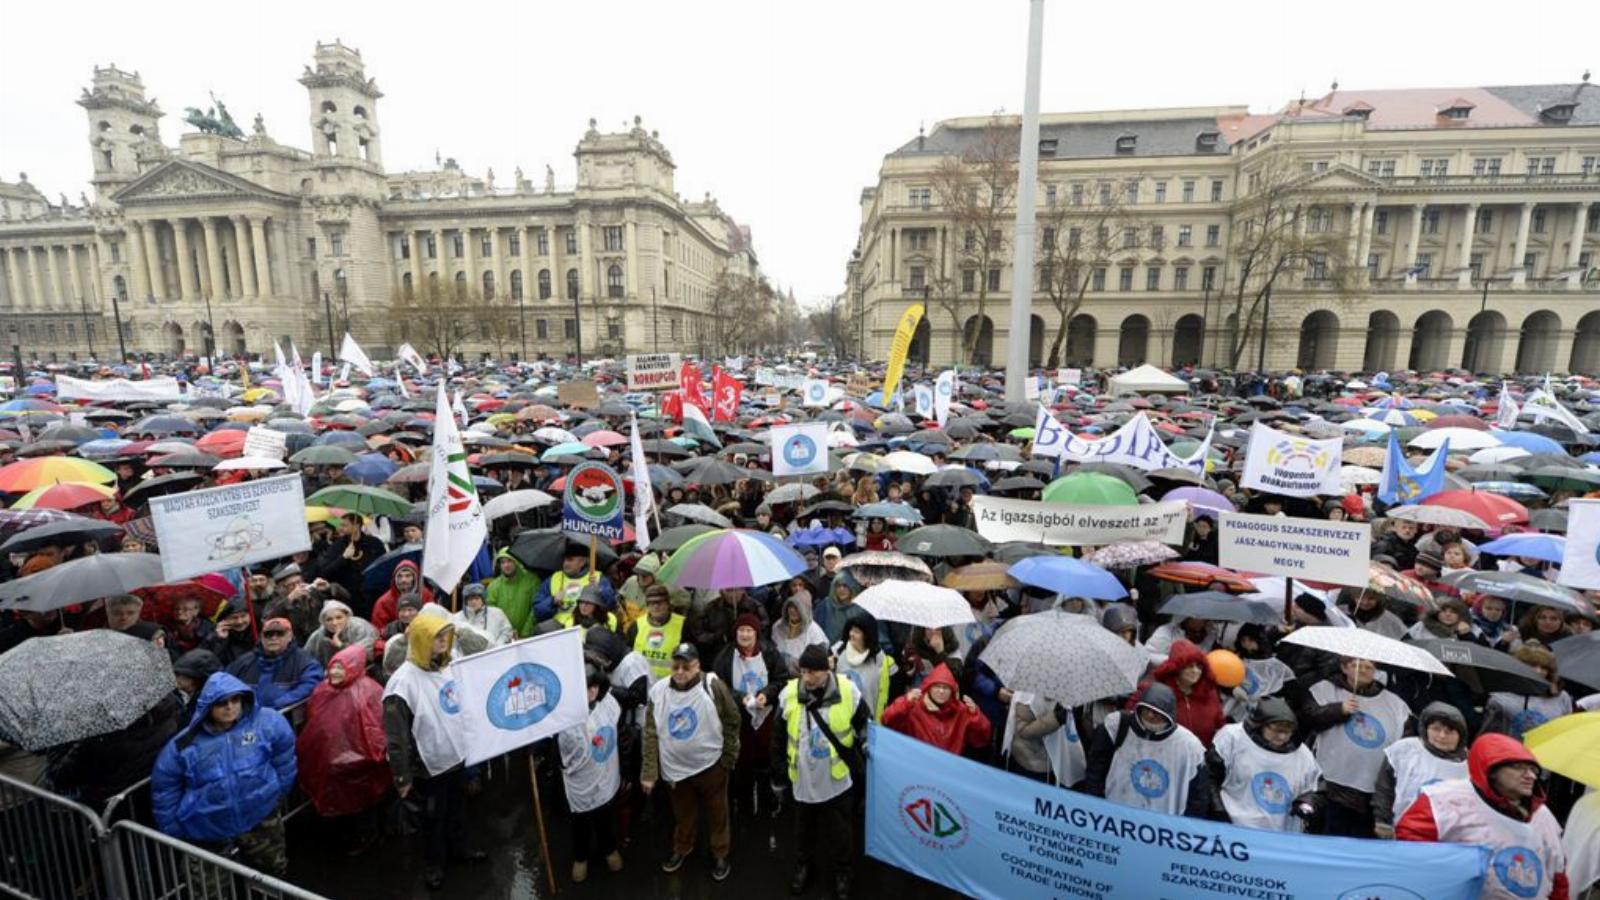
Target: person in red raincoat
column 1189, row 675
column 937, row 714
column 344, row 766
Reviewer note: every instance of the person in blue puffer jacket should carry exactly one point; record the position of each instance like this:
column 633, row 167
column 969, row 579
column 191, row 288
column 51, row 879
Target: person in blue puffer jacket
column 281, row 672
column 218, row 782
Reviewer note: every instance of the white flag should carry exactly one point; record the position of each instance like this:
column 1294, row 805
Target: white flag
column 1049, row 435
column 316, row 367
column 456, row 528
column 294, row 356
column 409, row 354
column 1541, row 404
column 643, row 492
column 514, row 695
column 944, row 391
column 1281, row 463
column 814, row 393
column 1580, row 564
column 1506, row 415
column 344, row 372
column 460, row 409
column 800, row 449
column 351, row 352
column 400, row 379
column 924, row 397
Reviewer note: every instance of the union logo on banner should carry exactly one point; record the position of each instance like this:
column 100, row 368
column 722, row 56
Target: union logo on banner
column 1290, row 452
column 593, row 501
column 524, row 695
column 933, row 817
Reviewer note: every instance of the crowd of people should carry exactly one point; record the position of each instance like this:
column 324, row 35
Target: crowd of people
column 326, row 673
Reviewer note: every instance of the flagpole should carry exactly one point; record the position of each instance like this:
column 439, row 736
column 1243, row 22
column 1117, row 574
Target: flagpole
column 538, row 815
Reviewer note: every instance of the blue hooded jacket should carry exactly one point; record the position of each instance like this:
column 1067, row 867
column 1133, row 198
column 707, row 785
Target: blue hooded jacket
column 210, row 786
column 279, row 681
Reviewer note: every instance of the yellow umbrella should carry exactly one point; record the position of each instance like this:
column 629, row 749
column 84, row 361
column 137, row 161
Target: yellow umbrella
column 498, row 419
column 1567, row 745
column 323, row 514
column 255, row 394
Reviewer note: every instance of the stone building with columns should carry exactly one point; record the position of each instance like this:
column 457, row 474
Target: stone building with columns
column 239, row 241
column 1471, row 217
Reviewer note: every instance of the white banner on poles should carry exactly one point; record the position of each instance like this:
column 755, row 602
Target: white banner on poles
column 227, row 527
column 1313, row 549
column 1136, row 444
column 162, row 389
column 514, row 695
column 800, row 449
column 1070, row 525
column 1281, row 463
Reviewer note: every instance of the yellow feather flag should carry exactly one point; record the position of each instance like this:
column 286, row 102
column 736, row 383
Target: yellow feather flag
column 898, row 348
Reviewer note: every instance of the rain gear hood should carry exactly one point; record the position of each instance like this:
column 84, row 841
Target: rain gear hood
column 513, row 594
column 344, row 764
column 419, row 641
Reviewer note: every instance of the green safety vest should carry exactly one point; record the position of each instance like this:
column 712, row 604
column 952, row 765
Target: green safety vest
column 838, row 718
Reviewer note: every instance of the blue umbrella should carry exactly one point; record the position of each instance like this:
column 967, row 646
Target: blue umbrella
column 884, row 510
column 1513, row 489
column 371, row 469
column 1592, row 458
column 102, row 447
column 485, row 483
column 1530, row 441
column 340, row 437
column 663, row 477
column 1547, row 547
column 822, row 537
column 572, row 451
column 37, row 389
column 375, row 578
column 1068, row 577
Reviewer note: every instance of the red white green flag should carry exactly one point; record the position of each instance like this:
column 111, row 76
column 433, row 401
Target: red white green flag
column 456, row 527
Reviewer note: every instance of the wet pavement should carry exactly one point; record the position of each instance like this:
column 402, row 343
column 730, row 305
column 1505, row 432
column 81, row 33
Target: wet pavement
column 500, row 820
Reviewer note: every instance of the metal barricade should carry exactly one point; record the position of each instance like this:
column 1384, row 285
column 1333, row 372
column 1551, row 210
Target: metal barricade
column 52, row 848
column 158, row 867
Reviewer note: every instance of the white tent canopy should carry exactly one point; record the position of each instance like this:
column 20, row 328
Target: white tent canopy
column 1148, row 379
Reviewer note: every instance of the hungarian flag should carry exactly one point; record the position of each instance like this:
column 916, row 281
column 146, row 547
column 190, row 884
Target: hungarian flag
column 689, row 383
column 727, row 390
column 697, row 426
column 456, row 527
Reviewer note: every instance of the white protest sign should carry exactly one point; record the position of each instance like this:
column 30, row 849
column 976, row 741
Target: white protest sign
column 800, row 449
column 1580, row 563
column 1070, row 525
column 265, row 442
column 228, row 527
column 1136, row 444
column 1308, row 549
column 1069, row 376
column 1281, row 463
column 158, row 389
column 815, row 393
column 653, row 371
column 514, row 695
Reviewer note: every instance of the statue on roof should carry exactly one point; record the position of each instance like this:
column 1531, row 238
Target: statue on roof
column 259, row 126
column 549, row 179
column 212, row 121
column 522, row 181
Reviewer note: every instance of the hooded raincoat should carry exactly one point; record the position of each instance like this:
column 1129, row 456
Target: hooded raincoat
column 343, row 763
column 953, row 726
column 387, row 607
column 513, row 594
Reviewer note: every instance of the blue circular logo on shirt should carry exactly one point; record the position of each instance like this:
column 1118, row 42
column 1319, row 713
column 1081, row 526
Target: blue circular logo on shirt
column 1525, row 721
column 448, row 701
column 799, row 450
column 1150, row 779
column 603, row 744
column 522, row 696
column 751, row 683
column 818, row 744
column 682, row 722
column 1519, row 870
column 1271, row 792
column 1364, row 731
column 1252, row 683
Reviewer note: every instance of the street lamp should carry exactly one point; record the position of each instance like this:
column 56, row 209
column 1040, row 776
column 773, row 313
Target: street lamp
column 327, row 311
column 116, row 320
column 211, row 335
column 522, row 323
column 88, row 329
column 577, row 329
column 655, row 322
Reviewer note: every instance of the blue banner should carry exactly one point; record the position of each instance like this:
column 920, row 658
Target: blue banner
column 1403, row 484
column 991, row 834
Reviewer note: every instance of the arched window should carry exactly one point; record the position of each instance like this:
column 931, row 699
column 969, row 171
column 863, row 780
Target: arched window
column 407, row 287
column 572, row 284
column 359, row 112
column 544, row 284
column 614, row 281
column 328, row 107
column 516, row 284
column 488, row 285
column 433, row 283
column 461, row 285
column 120, row 286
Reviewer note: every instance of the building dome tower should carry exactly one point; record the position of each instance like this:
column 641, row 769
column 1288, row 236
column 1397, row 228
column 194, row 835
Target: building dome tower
column 344, row 106
column 121, row 121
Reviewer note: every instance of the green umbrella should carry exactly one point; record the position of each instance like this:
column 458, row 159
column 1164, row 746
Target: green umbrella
column 1090, row 489
column 1022, row 432
column 369, row 501
column 1188, row 447
column 325, row 455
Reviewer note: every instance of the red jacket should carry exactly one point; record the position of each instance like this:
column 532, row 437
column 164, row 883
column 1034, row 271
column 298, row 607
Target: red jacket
column 1200, row 711
column 953, row 726
column 387, row 608
column 1488, row 751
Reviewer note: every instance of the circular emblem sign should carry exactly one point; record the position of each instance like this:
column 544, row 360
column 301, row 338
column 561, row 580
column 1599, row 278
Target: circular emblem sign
column 594, row 492
column 522, row 696
column 799, row 450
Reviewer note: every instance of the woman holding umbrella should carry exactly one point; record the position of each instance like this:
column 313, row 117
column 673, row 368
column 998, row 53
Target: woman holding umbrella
column 1515, row 714
column 1354, row 719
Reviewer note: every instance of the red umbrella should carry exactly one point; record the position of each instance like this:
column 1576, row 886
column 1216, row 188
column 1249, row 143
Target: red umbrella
column 603, row 438
column 1492, row 508
column 1199, row 574
column 1459, row 421
column 227, row 443
column 161, row 601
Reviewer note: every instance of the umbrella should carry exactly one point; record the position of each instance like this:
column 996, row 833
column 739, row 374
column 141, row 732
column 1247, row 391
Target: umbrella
column 1563, row 478
column 698, row 512
column 1200, row 499
column 13, row 521
column 902, row 512
column 64, row 496
column 872, row 566
column 956, row 477
column 516, row 501
column 366, row 500
column 160, row 486
column 915, row 603
column 161, row 600
column 64, row 533
column 1459, row 438
column 371, row 469
column 375, row 578
column 185, row 459
column 541, row 549
column 1530, row 441
column 1578, row 658
column 1516, row 490
column 1090, row 489
column 1548, row 547
column 1388, row 583
column 1491, row 508
column 1064, row 657
column 251, row 463
column 980, row 576
column 1565, row 745
column 672, row 538
column 791, row 493
column 943, row 541
column 81, row 580
column 1489, row 472
column 1363, row 644
column 1126, row 474
column 820, row 536
column 1199, row 574
column 1068, row 577
column 1483, row 670
column 55, row 690
column 1554, row 520
column 709, row 470
column 323, row 456
column 1220, row 607
column 1129, row 554
column 731, row 558
column 1438, row 515
column 25, row 475
column 1517, row 587
column 906, row 461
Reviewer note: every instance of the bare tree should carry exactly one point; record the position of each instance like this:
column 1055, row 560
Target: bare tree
column 1277, row 232
column 976, row 190
column 444, row 320
column 1076, row 240
column 831, row 325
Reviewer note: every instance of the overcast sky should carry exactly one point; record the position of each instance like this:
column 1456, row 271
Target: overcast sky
column 783, row 111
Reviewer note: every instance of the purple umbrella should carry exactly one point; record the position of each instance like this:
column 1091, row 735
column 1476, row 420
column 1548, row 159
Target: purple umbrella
column 1203, row 500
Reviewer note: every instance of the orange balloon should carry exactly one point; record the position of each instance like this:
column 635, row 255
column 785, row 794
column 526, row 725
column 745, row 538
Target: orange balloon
column 1226, row 667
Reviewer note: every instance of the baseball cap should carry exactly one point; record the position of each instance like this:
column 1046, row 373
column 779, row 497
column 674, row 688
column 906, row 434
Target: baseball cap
column 685, row 652
column 832, row 553
column 279, row 624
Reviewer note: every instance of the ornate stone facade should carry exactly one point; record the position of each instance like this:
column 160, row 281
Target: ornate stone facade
column 1471, row 217
column 263, row 241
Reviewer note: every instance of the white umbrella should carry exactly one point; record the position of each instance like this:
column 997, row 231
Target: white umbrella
column 1352, row 476
column 513, row 502
column 907, row 461
column 553, row 435
column 790, row 493
column 1363, row 644
column 1491, row 455
column 1438, row 515
column 915, row 603
column 1366, row 426
column 1460, row 439
column 1064, row 657
column 249, row 463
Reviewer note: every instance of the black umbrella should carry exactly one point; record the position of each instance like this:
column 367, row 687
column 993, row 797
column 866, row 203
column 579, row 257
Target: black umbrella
column 1578, row 658
column 672, row 538
column 1551, row 520
column 1127, row 474
column 160, row 486
column 1484, row 670
column 375, row 578
column 1037, row 467
column 1220, row 607
column 1013, row 552
column 1017, row 483
column 542, row 549
column 824, row 507
column 60, row 534
column 953, row 478
column 943, row 541
column 1516, row 587
column 82, row 580
column 709, row 470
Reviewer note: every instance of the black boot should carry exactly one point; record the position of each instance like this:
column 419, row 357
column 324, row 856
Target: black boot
column 802, row 877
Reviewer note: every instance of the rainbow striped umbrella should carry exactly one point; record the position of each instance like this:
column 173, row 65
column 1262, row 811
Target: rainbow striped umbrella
column 25, row 475
column 70, row 495
column 731, row 558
